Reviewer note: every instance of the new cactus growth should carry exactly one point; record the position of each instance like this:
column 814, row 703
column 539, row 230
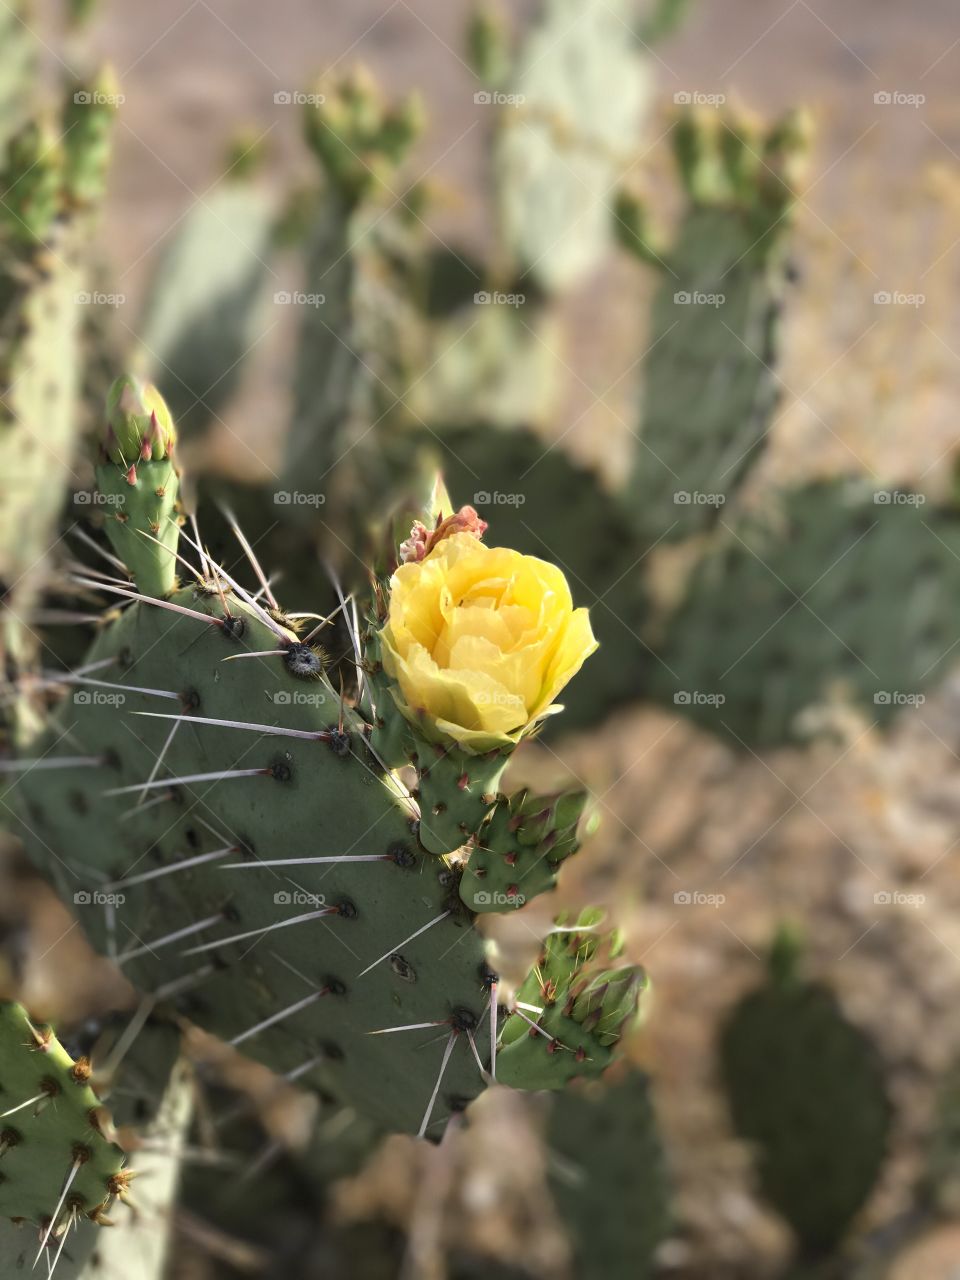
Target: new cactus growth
column 359, row 138
column 138, row 480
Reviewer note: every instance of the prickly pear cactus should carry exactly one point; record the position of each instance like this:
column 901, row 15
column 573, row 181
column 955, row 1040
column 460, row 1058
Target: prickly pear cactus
column 710, row 389
column 796, row 602
column 806, row 1089
column 608, row 1176
column 59, row 1163
column 227, row 828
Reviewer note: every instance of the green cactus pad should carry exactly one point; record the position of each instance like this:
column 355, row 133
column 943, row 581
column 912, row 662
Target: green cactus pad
column 206, row 303
column 608, row 1176
column 52, row 1128
column 573, row 111
column 39, row 377
column 806, row 1088
column 710, row 389
column 311, row 798
column 792, row 607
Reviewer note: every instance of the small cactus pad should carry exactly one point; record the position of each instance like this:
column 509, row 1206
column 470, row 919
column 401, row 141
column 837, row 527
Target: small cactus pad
column 54, row 1156
column 569, row 1012
column 520, row 849
column 806, row 1088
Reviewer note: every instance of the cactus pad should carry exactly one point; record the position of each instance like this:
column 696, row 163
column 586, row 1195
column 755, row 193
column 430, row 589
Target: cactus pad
column 806, row 1088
